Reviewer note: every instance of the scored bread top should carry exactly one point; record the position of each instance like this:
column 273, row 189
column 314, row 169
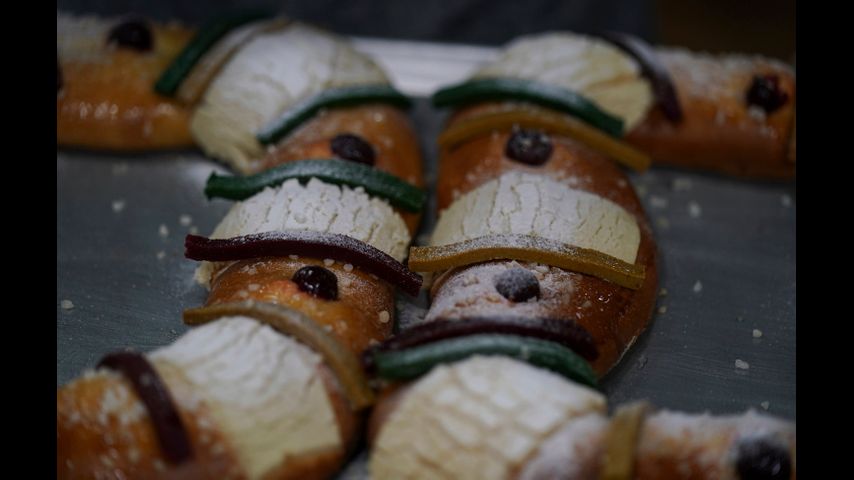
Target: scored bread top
column 478, row 418
column 264, row 78
column 586, row 65
column 528, row 204
column 261, row 387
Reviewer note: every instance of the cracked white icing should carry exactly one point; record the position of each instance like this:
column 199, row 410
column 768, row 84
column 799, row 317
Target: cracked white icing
column 527, row 204
column 319, row 207
column 478, row 418
column 589, row 66
column 264, row 78
column 261, row 387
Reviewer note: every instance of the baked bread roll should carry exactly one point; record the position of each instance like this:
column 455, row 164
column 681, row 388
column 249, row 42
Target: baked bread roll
column 494, row 417
column 276, row 409
column 575, row 196
column 721, row 130
column 316, row 427
column 254, row 404
column 229, row 84
column 728, row 113
column 322, row 237
column 380, row 135
column 356, row 306
column 264, row 78
column 106, row 69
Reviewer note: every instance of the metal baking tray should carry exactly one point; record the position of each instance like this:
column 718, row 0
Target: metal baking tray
column 722, row 339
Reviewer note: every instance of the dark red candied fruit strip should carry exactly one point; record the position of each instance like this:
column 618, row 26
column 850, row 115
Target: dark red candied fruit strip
column 170, row 431
column 309, row 244
column 565, row 332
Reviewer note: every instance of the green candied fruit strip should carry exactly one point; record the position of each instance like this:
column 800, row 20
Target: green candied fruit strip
column 340, row 172
column 413, row 362
column 336, row 97
column 207, row 36
column 551, row 96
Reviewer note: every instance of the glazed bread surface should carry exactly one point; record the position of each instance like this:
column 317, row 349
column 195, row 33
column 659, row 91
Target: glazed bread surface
column 106, row 99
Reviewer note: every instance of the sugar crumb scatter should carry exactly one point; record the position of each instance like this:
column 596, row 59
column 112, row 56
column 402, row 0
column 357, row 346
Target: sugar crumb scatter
column 657, row 202
column 741, row 364
column 185, row 220
column 698, row 287
column 757, row 333
column 681, row 184
column 163, row 231
column 120, row 169
column 694, row 209
column 118, row 205
column 66, row 304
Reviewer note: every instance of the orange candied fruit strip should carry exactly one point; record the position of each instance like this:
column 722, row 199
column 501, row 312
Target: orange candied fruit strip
column 543, row 119
column 530, row 249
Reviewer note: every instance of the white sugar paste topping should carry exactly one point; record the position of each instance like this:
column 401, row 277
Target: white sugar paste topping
column 535, row 205
column 589, row 66
column 572, row 452
column 267, row 76
column 318, row 207
column 478, row 418
column 262, row 389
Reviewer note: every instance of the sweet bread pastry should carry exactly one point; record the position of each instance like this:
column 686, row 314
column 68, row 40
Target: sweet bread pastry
column 106, row 68
column 729, row 113
column 542, row 253
column 319, row 264
column 254, row 402
column 496, row 417
column 248, row 402
column 560, row 192
column 544, row 274
column 250, row 88
column 302, row 272
column 356, row 303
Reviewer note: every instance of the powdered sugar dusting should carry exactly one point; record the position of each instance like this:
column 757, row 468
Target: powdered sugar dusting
column 707, row 441
column 473, row 292
column 718, row 79
column 571, row 452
